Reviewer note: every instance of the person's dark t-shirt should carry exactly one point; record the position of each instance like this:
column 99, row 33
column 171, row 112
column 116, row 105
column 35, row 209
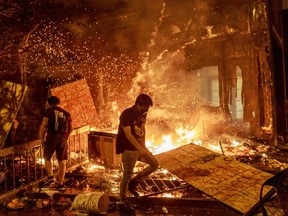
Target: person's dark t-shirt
column 58, row 120
column 130, row 117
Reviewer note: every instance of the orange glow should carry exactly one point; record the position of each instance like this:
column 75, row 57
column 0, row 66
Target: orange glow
column 41, row 161
column 184, row 136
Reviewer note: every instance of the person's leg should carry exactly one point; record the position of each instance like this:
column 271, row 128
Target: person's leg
column 61, row 171
column 129, row 159
column 62, row 156
column 48, row 167
column 49, row 148
column 153, row 165
column 50, row 180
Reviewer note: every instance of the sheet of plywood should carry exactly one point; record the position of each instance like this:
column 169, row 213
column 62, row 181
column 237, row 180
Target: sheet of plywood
column 231, row 182
column 11, row 97
column 76, row 98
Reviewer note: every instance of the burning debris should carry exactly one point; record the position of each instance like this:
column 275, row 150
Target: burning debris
column 174, row 65
column 189, row 59
column 98, row 176
column 95, row 180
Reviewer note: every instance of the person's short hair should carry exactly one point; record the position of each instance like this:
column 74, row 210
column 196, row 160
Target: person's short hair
column 53, row 100
column 144, row 99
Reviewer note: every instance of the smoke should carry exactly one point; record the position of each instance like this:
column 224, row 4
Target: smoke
column 116, row 38
column 163, row 76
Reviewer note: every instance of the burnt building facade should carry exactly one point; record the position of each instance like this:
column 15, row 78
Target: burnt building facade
column 227, row 55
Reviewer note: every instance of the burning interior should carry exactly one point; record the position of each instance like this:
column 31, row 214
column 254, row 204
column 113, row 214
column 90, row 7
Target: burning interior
column 206, row 65
column 212, row 62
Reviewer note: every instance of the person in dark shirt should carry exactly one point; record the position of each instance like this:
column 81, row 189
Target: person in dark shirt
column 56, row 126
column 130, row 143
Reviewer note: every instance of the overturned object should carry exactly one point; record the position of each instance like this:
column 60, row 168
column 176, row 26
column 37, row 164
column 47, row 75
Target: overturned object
column 94, row 202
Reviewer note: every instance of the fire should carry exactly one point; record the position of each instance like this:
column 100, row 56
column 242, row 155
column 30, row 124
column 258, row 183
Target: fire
column 235, row 143
column 166, row 145
column 184, row 136
column 214, row 147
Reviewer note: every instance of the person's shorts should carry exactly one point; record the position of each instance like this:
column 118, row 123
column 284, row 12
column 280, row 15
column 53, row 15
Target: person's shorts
column 56, row 144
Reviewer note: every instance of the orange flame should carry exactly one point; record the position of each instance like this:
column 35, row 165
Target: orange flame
column 184, row 136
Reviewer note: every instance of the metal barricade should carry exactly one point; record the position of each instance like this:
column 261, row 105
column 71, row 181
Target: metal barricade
column 23, row 165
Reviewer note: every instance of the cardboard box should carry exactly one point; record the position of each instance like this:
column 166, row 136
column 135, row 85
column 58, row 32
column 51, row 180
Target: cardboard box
column 102, row 146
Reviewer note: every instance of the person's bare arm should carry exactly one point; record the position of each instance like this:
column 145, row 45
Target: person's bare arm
column 43, row 127
column 133, row 140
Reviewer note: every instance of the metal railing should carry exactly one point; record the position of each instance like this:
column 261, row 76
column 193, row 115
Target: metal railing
column 23, row 165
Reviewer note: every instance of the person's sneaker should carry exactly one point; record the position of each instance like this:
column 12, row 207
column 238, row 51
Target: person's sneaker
column 61, row 187
column 126, row 208
column 133, row 186
column 49, row 181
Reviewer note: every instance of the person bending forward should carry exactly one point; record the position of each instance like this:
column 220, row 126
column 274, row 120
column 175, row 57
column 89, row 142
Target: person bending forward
column 130, row 143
